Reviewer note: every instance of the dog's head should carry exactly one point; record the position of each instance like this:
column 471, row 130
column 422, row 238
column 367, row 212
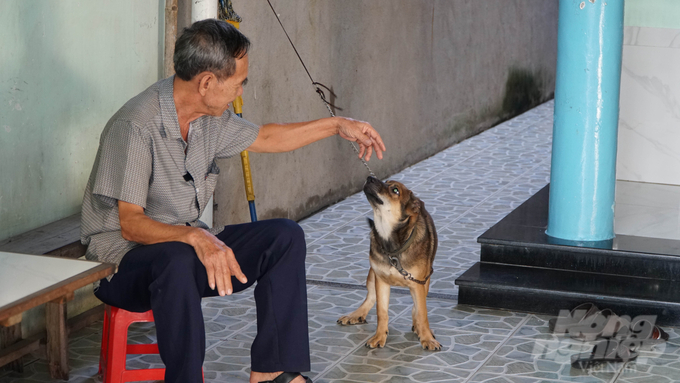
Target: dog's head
column 392, row 203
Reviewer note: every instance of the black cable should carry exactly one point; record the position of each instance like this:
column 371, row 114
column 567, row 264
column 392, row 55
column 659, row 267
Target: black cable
column 317, row 84
column 291, row 41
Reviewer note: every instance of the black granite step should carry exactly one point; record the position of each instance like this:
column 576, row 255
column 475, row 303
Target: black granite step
column 548, row 291
column 524, row 269
column 520, row 239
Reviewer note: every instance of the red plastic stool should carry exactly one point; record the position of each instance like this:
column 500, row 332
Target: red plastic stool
column 115, row 348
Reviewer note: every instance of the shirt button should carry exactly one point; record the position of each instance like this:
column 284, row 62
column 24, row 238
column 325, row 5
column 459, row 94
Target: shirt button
column 196, row 190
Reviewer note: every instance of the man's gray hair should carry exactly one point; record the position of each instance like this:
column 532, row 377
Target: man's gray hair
column 209, row 45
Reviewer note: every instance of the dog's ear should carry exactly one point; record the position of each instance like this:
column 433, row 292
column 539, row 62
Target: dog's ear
column 413, row 205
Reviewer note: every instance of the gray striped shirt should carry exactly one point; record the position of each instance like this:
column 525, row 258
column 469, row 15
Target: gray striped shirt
column 141, row 160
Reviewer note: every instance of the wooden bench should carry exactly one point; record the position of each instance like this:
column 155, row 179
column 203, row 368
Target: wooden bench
column 61, row 239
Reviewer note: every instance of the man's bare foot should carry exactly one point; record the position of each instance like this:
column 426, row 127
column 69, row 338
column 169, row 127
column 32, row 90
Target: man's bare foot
column 257, row 377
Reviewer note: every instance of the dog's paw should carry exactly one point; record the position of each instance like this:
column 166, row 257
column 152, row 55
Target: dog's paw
column 377, row 341
column 351, row 319
column 430, row 344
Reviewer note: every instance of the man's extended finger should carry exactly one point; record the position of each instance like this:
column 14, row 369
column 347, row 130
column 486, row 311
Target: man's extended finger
column 217, row 272
column 369, row 151
column 236, row 270
column 362, row 149
column 223, row 276
column 375, row 136
column 227, row 285
column 378, row 151
column 211, row 276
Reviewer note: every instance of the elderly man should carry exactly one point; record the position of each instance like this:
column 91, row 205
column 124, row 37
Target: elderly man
column 152, row 178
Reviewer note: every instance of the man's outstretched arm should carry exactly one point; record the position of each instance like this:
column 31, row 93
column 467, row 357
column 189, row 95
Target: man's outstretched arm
column 218, row 259
column 275, row 138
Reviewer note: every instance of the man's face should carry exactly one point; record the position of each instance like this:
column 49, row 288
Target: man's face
column 222, row 93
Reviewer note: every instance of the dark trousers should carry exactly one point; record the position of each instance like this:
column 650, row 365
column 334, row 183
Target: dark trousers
column 169, row 279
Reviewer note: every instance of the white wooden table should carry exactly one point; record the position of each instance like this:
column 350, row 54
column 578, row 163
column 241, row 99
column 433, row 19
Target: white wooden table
column 27, row 281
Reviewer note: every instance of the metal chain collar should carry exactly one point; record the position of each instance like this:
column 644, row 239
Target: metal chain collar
column 394, row 259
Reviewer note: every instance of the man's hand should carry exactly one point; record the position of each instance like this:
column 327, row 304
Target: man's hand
column 277, row 138
column 219, row 261
column 362, row 133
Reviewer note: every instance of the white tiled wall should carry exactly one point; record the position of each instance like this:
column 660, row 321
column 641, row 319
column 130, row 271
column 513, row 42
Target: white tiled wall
column 649, row 120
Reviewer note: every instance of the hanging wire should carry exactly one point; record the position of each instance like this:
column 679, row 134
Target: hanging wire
column 317, row 85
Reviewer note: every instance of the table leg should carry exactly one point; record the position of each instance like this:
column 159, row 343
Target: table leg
column 57, row 339
column 9, row 336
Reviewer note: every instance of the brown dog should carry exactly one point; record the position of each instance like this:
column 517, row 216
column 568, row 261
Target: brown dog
column 403, row 245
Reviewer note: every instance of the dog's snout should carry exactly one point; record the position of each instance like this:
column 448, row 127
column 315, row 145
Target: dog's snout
column 371, row 179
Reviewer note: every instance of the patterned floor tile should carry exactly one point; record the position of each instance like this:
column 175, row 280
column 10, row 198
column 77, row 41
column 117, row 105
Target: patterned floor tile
column 536, row 327
column 337, row 302
column 445, row 314
column 546, row 359
column 358, row 226
column 416, row 175
column 459, row 257
column 358, row 369
column 443, row 279
column 340, row 244
column 461, row 233
column 412, row 178
column 327, row 221
column 485, row 215
column 448, row 193
column 352, row 269
column 228, row 362
column 500, row 378
column 442, row 215
column 462, row 350
column 658, row 364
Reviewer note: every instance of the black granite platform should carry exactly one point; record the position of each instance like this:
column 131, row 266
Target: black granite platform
column 524, row 269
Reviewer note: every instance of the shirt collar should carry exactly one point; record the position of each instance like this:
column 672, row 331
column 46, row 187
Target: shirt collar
column 168, row 109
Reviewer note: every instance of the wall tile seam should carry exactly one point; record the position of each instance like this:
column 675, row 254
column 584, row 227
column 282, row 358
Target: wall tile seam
column 651, row 36
column 650, row 46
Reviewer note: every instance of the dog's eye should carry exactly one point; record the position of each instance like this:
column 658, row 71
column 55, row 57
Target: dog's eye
column 395, row 191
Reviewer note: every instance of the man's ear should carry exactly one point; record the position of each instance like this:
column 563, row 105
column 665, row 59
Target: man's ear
column 205, row 81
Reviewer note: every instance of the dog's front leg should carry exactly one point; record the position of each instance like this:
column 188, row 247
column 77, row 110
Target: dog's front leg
column 414, row 312
column 359, row 315
column 382, row 292
column 421, row 325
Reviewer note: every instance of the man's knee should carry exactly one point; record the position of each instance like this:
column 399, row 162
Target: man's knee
column 288, row 231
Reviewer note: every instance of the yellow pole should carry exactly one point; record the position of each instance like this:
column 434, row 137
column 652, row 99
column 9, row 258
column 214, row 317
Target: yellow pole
column 245, row 159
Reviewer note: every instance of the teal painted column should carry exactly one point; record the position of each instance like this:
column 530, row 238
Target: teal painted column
column 583, row 176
